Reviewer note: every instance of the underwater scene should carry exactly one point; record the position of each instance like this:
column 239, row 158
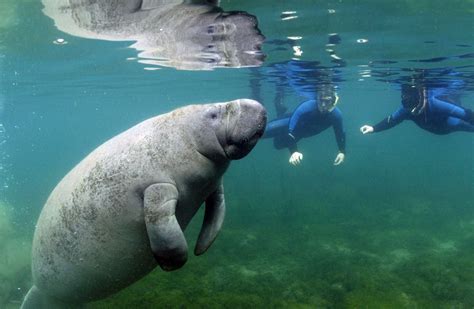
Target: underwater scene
column 341, row 154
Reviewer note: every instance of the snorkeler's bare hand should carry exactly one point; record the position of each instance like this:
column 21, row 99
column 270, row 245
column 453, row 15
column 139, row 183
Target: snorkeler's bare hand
column 296, row 158
column 339, row 158
column 365, row 129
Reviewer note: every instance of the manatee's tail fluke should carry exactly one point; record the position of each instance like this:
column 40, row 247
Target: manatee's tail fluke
column 35, row 299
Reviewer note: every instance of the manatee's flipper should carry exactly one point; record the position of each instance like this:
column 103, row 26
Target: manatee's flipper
column 37, row 300
column 166, row 237
column 213, row 218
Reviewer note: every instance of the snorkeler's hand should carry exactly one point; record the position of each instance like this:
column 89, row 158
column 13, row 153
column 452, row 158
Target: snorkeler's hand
column 296, row 158
column 339, row 158
column 366, row 129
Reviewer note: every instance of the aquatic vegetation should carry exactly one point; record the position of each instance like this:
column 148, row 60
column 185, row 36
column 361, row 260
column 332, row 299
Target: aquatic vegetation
column 5, row 224
column 334, row 261
column 8, row 16
column 439, row 279
column 14, row 259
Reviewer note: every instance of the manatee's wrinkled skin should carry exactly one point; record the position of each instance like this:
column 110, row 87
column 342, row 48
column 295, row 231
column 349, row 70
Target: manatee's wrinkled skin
column 198, row 36
column 123, row 209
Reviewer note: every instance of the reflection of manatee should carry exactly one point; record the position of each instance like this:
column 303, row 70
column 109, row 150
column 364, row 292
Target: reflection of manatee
column 122, row 210
column 168, row 33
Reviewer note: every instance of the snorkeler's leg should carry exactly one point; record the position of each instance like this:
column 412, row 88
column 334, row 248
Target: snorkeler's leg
column 463, row 113
column 470, row 115
column 456, row 124
column 276, row 128
column 453, row 110
column 283, row 141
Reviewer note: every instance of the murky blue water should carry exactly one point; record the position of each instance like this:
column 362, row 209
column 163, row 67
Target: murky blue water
column 391, row 227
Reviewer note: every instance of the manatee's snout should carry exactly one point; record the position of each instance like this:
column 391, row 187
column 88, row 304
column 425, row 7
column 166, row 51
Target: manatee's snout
column 246, row 124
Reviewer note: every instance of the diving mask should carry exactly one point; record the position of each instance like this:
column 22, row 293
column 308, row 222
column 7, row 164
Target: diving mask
column 328, row 103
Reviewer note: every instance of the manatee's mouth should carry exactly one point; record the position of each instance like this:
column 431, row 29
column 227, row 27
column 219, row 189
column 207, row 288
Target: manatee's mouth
column 258, row 134
column 237, row 149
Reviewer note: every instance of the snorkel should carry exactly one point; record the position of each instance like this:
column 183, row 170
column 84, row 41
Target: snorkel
column 335, row 102
column 414, row 99
column 422, row 100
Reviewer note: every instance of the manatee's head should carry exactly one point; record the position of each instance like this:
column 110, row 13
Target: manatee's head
column 230, row 130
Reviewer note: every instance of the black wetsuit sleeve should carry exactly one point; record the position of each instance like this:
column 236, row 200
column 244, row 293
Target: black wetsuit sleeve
column 392, row 120
column 292, row 146
column 339, row 132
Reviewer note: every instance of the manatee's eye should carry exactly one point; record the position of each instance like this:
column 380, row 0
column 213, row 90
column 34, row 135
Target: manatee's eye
column 213, row 113
column 211, row 48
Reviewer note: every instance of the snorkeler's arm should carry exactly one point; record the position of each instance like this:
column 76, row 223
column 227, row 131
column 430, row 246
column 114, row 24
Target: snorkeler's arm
column 295, row 155
column 339, row 130
column 394, row 119
column 292, row 146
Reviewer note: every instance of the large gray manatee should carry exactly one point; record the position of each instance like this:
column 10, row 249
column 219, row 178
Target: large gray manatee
column 123, row 209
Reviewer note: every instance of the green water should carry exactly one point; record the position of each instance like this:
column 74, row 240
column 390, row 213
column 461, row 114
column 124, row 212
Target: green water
column 392, row 227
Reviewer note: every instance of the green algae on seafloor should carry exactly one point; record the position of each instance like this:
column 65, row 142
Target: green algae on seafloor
column 14, row 259
column 333, row 260
column 8, row 16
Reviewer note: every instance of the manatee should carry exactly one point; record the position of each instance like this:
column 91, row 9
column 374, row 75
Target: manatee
column 122, row 210
column 191, row 35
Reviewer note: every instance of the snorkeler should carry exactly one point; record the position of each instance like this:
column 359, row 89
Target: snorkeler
column 308, row 119
column 430, row 109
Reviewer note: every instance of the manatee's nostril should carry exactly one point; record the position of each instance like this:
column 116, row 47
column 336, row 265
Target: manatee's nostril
column 210, row 59
column 211, row 29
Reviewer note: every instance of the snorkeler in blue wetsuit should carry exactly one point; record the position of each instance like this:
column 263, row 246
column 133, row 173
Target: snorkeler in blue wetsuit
column 430, row 110
column 308, row 119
